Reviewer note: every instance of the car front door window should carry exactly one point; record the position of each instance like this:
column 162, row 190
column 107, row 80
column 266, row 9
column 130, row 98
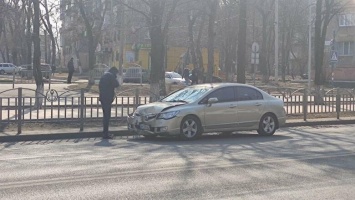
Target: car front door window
column 221, row 116
column 223, row 95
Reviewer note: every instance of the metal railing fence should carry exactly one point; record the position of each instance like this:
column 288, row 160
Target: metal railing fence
column 82, row 107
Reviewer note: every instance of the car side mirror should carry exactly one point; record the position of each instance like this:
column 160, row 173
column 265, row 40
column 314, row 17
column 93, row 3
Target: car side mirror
column 212, row 101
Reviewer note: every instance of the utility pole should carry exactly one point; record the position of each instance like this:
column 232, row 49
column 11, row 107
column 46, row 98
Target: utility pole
column 276, row 40
column 122, row 38
column 310, row 45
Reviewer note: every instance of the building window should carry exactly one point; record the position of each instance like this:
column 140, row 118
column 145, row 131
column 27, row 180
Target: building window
column 347, row 20
column 346, row 48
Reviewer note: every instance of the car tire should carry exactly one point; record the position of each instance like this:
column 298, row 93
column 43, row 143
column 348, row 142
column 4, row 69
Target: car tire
column 2, row 72
column 267, row 125
column 190, row 128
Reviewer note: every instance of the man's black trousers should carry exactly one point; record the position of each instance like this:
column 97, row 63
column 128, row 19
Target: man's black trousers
column 106, row 108
column 70, row 75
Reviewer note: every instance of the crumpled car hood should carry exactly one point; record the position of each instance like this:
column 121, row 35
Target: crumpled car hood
column 156, row 107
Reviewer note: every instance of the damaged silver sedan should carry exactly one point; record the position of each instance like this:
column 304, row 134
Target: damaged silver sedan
column 198, row 109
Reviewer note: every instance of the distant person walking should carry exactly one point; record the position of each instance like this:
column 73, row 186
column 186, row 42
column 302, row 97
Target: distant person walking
column 53, row 69
column 186, row 75
column 107, row 85
column 71, row 70
column 194, row 76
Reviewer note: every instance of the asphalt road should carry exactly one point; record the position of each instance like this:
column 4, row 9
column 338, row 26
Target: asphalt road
column 296, row 163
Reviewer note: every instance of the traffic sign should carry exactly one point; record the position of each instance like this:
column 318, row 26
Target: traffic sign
column 255, row 47
column 255, row 58
column 334, row 56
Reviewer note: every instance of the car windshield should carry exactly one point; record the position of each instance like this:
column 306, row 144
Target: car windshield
column 187, row 95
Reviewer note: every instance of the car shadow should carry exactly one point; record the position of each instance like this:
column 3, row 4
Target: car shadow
column 236, row 138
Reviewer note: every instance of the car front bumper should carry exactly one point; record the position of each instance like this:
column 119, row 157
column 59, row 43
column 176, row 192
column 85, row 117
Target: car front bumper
column 161, row 127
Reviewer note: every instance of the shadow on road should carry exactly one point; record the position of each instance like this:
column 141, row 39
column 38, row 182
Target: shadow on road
column 236, row 138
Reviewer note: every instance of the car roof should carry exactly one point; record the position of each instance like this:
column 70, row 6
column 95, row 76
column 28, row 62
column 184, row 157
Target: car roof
column 220, row 85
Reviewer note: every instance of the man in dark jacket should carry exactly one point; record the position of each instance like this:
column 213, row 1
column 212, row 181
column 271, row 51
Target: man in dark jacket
column 186, row 75
column 107, row 85
column 71, row 70
column 194, row 76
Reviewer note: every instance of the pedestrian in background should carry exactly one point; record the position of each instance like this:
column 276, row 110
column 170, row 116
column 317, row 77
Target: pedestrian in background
column 53, row 68
column 194, row 76
column 107, row 85
column 71, row 70
column 186, row 75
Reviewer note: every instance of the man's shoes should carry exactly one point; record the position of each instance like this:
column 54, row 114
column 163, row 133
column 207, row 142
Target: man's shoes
column 107, row 137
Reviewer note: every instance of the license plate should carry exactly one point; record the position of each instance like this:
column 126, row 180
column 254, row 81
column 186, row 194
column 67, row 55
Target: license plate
column 144, row 127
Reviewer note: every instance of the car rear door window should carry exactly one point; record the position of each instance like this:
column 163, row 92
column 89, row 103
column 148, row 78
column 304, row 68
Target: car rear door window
column 248, row 94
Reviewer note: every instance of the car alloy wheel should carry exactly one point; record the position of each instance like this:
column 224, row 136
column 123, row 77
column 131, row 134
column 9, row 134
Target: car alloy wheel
column 190, row 128
column 267, row 125
column 2, row 72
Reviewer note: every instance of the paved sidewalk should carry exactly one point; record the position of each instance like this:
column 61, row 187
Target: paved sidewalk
column 121, row 131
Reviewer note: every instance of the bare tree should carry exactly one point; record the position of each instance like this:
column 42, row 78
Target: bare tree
column 212, row 14
column 37, row 54
column 93, row 19
column 242, row 38
column 230, row 32
column 46, row 19
column 325, row 11
column 265, row 9
column 158, row 15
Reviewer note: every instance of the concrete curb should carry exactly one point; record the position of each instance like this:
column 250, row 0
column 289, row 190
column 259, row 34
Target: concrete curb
column 123, row 133
column 320, row 123
column 61, row 136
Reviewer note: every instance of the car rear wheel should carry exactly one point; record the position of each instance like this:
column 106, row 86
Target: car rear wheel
column 190, row 128
column 267, row 125
column 2, row 72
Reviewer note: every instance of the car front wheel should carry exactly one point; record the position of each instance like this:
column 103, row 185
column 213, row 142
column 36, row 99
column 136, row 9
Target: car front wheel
column 267, row 125
column 190, row 128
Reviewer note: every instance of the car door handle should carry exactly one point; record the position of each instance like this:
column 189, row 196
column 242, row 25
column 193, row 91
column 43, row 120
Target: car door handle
column 258, row 104
column 232, row 106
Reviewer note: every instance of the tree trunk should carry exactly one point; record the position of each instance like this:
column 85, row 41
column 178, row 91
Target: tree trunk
column 319, row 54
column 198, row 48
column 263, row 54
column 191, row 21
column 242, row 42
column 157, row 51
column 92, row 57
column 211, row 36
column 29, row 34
column 37, row 55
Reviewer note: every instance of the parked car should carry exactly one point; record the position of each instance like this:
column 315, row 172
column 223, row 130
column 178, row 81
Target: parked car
column 220, row 107
column 135, row 75
column 8, row 68
column 27, row 70
column 101, row 67
column 174, row 78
